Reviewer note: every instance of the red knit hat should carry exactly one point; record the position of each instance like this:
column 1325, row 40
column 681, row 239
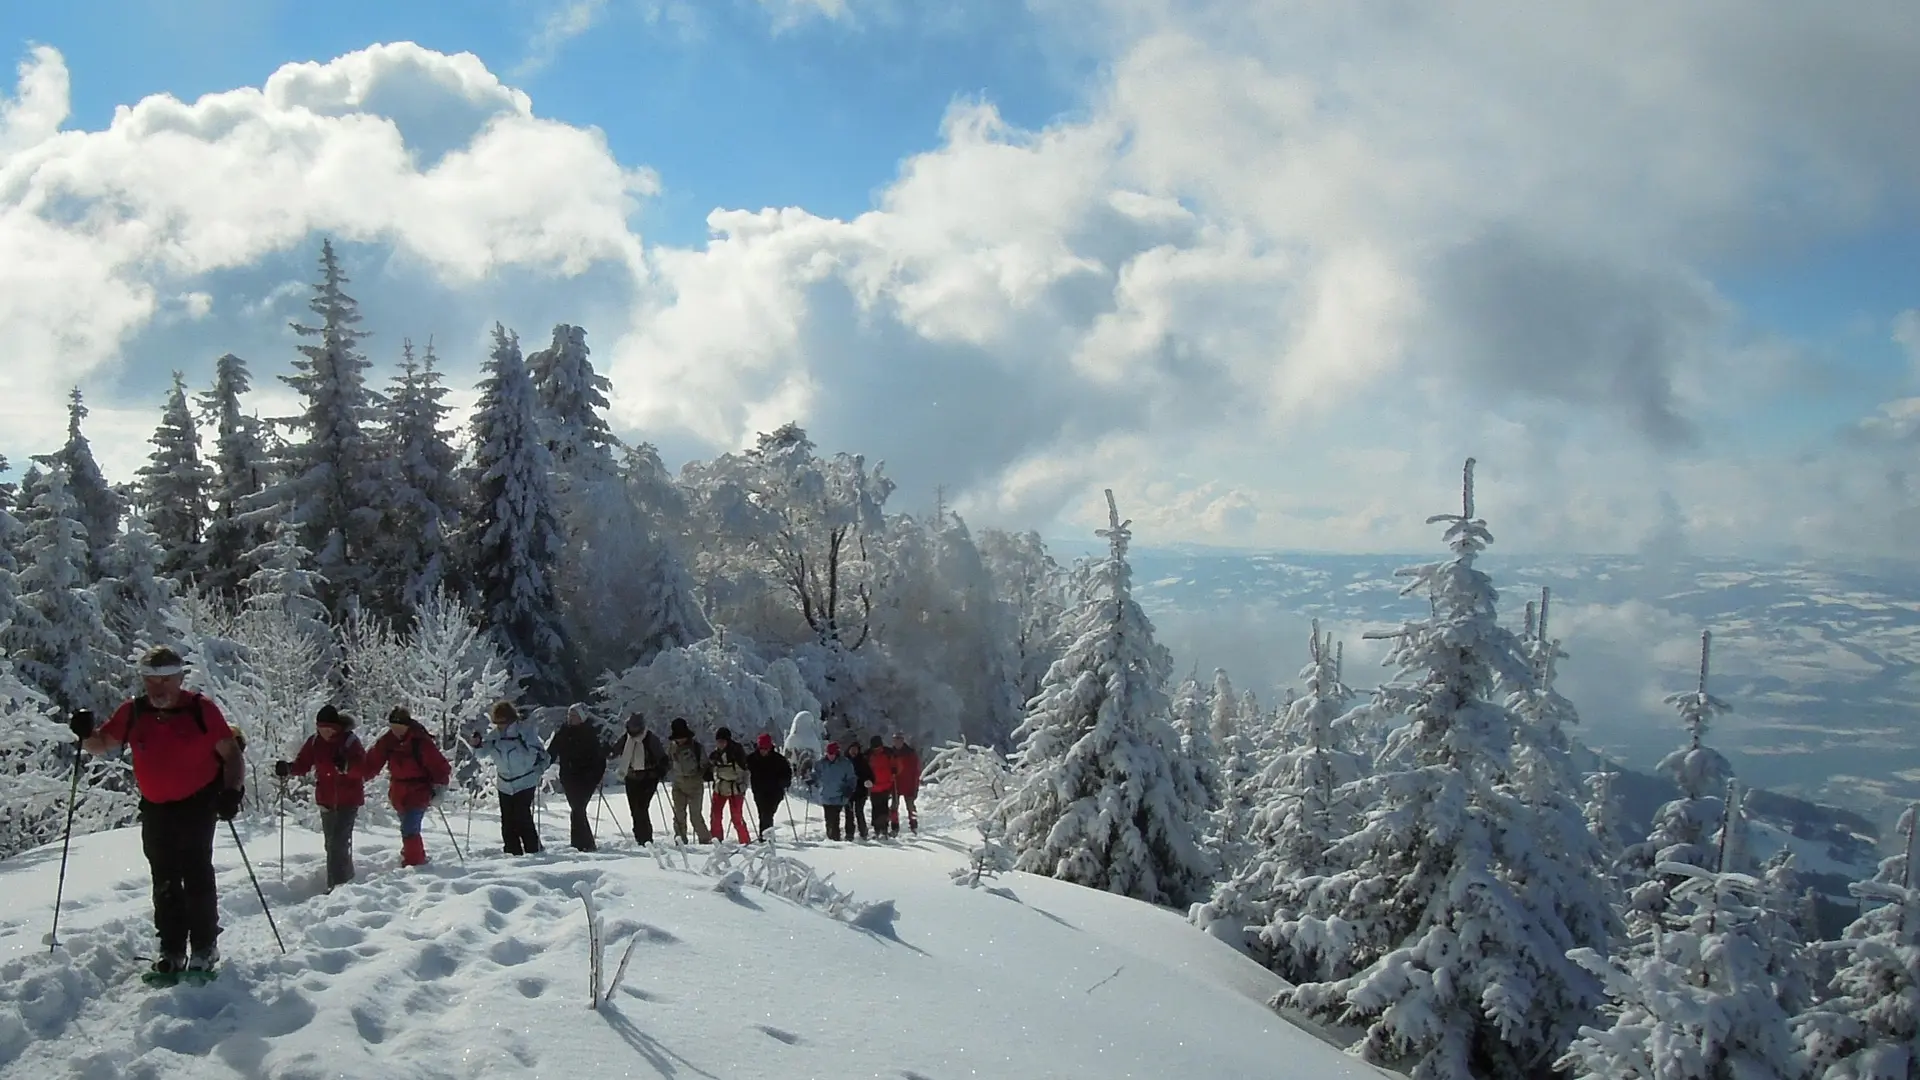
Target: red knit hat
column 765, row 742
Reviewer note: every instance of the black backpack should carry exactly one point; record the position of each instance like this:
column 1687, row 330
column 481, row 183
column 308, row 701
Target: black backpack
column 142, row 705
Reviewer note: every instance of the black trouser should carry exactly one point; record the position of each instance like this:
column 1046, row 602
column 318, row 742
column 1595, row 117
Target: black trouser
column 336, row 828
column 833, row 820
column 517, row 830
column 579, row 799
column 883, row 813
column 768, row 803
column 639, row 804
column 177, row 838
column 857, row 811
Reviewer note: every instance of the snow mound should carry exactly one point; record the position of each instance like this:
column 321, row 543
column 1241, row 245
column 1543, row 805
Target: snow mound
column 482, row 969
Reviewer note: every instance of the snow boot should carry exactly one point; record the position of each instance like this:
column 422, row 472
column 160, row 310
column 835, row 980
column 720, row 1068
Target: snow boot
column 413, row 851
column 203, row 960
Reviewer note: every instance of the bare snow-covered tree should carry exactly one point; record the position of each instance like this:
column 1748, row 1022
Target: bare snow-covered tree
column 1096, row 800
column 1444, row 901
column 970, row 783
column 454, row 673
column 711, row 684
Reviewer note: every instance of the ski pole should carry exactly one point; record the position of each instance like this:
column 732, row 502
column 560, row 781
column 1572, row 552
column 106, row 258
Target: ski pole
column 257, row 890
column 789, row 807
column 614, row 816
column 450, row 836
column 66, row 841
column 283, row 830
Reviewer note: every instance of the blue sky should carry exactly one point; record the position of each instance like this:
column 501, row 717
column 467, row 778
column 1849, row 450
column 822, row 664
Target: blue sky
column 733, row 110
column 1226, row 280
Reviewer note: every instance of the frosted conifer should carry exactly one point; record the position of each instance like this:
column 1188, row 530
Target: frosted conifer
column 173, row 489
column 1869, row 1029
column 1095, row 800
column 237, row 517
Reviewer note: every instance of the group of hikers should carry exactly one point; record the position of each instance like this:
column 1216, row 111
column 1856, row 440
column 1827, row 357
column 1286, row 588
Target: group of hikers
column 188, row 768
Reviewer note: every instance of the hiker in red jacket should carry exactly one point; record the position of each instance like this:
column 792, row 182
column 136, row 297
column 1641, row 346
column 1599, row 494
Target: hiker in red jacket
column 880, row 760
column 417, row 774
column 906, row 782
column 187, row 765
column 333, row 755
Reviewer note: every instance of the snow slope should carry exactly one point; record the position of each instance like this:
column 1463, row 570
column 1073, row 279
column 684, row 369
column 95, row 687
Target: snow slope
column 481, row 970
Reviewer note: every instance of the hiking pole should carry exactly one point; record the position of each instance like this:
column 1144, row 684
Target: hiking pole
column 257, row 890
column 66, row 841
column 450, row 836
column 790, row 824
column 283, row 830
column 614, row 816
column 666, row 819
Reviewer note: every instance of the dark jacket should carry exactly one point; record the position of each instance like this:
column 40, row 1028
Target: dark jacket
column 582, row 757
column 770, row 774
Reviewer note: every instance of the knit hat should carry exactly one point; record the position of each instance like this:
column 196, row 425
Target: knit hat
column 680, row 728
column 331, row 717
column 724, row 735
column 400, row 715
column 636, row 724
column 833, row 748
column 765, row 742
column 160, row 662
column 877, row 742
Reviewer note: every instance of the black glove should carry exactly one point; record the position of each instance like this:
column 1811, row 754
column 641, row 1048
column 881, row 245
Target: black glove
column 340, row 761
column 282, row 769
column 81, row 724
column 227, row 803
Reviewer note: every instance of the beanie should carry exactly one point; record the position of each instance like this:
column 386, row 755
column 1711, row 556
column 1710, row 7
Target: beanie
column 723, row 733
column 765, row 742
column 680, row 728
column 327, row 715
column 400, row 715
column 877, row 742
column 833, row 748
column 636, row 724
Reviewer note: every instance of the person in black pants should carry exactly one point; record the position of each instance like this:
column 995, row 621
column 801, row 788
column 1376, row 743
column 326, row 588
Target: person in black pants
column 187, row 764
column 862, row 786
column 641, row 762
column 583, row 764
column 768, row 774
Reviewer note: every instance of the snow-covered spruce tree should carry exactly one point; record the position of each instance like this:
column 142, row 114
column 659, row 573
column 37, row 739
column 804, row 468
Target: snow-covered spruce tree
column 173, row 488
column 135, row 599
column 1302, row 804
column 513, row 534
column 287, row 583
column 1793, row 963
column 59, row 641
column 1869, row 1029
column 97, row 506
column 572, row 396
column 1699, row 1003
column 1682, row 829
column 424, row 492
column 1238, row 767
column 1445, row 903
column 1199, row 757
column 332, row 483
column 1602, row 814
column 1096, row 801
column 237, row 519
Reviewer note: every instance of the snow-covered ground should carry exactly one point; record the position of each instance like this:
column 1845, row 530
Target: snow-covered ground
column 480, row 970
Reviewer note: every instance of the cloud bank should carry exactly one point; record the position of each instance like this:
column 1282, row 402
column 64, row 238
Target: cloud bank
column 1288, row 265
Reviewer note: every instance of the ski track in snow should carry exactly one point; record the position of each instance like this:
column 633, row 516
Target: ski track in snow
column 481, row 970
